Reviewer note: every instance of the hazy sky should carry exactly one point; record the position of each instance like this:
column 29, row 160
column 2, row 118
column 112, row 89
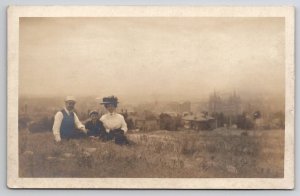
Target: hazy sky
column 151, row 58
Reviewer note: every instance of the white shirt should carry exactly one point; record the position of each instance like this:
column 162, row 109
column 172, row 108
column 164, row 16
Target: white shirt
column 57, row 123
column 113, row 121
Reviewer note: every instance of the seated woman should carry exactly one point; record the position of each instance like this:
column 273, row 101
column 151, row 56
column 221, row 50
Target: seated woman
column 114, row 123
column 94, row 126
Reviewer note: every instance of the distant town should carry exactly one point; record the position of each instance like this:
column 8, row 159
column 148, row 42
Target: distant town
column 219, row 110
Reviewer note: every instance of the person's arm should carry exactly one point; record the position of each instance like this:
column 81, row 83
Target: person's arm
column 102, row 119
column 88, row 126
column 56, row 126
column 102, row 128
column 78, row 124
column 124, row 125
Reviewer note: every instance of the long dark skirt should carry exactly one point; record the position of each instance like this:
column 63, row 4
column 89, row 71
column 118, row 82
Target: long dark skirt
column 117, row 135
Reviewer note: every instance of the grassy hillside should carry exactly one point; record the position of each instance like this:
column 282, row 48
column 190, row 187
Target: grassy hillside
column 218, row 153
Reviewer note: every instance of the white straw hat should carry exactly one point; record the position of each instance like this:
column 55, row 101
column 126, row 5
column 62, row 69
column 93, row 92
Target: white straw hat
column 70, row 98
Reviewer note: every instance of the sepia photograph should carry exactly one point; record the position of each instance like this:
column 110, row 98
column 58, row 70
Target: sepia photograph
column 159, row 97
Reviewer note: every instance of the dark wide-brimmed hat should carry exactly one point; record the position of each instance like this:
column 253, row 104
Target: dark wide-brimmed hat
column 110, row 100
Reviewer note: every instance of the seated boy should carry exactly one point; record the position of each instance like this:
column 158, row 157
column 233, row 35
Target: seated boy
column 94, row 126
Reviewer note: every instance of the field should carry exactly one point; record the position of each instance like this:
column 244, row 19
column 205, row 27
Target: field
column 186, row 154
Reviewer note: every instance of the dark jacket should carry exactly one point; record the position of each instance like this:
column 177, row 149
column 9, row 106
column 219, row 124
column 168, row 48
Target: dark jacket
column 95, row 129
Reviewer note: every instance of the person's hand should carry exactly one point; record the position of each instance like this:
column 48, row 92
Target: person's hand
column 118, row 131
column 84, row 130
column 57, row 139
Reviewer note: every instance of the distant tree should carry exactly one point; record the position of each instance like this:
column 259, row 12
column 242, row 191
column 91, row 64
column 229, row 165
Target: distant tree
column 168, row 122
column 243, row 122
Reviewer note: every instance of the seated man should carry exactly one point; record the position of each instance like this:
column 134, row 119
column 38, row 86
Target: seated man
column 94, row 126
column 66, row 123
column 114, row 123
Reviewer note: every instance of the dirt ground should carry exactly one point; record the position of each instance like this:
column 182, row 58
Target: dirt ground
column 185, row 154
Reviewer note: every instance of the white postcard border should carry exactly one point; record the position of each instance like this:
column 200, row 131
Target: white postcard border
column 15, row 12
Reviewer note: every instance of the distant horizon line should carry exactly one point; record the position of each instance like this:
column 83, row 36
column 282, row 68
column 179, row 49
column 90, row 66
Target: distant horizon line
column 171, row 98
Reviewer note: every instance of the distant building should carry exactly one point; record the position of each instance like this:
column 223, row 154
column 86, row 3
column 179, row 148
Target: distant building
column 146, row 121
column 199, row 122
column 144, row 124
column 229, row 106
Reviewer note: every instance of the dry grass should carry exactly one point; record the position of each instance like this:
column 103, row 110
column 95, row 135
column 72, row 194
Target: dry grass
column 218, row 153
